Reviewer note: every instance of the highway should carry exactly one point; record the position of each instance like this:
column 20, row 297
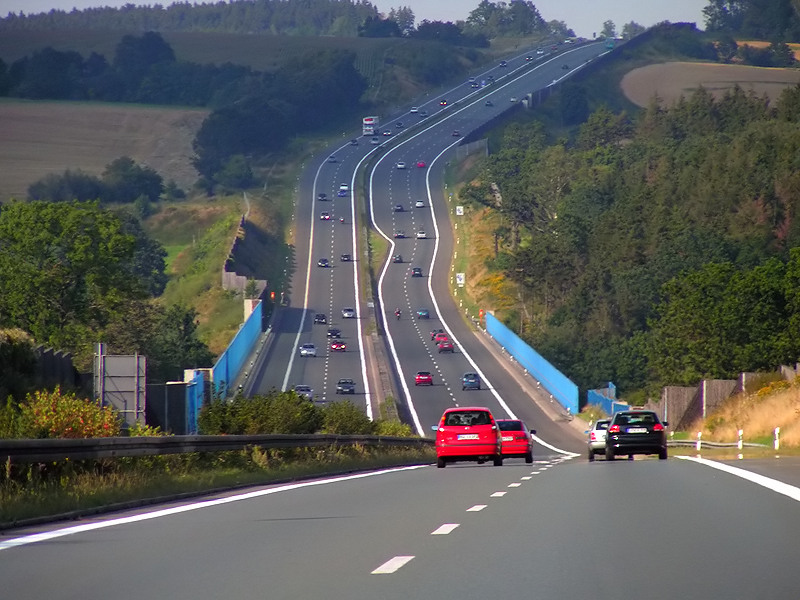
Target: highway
column 557, row 529
column 430, row 139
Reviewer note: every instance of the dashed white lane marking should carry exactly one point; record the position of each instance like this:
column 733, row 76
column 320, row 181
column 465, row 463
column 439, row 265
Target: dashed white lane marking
column 526, row 478
column 514, row 484
column 477, row 508
column 445, row 529
column 392, row 565
column 498, row 494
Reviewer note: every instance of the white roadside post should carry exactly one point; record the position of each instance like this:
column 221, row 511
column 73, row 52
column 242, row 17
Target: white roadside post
column 777, row 438
column 699, row 442
column 740, row 445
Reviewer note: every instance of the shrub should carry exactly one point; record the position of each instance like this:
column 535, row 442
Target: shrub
column 345, row 418
column 56, row 414
column 393, row 428
column 275, row 412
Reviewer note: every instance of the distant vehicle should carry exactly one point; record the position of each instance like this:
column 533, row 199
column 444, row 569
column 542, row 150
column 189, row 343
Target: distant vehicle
column 636, row 432
column 346, row 258
column 419, row 204
column 503, row 63
column 399, row 125
column 324, row 216
column 456, row 133
column 401, row 165
column 399, row 234
column 565, row 67
column 470, row 381
column 416, row 272
column 397, row 258
column 322, row 196
column 323, row 262
column 343, row 187
column 307, row 350
column 345, row 386
column 334, row 333
column 513, row 98
column 338, row 346
column 488, row 103
column 528, row 58
column 332, row 158
column 320, row 319
column 421, row 164
column 370, row 125
column 597, row 437
column 468, row 433
column 423, row 313
column 423, row 113
column 440, row 337
column 540, row 51
column 348, row 313
column 436, row 332
column 516, row 439
column 387, row 133
column 423, row 378
column 375, row 141
column 442, row 102
column 446, row 346
column 397, row 208
column 414, row 110
column 354, row 142
column 304, row 390
column 421, row 235
column 342, row 193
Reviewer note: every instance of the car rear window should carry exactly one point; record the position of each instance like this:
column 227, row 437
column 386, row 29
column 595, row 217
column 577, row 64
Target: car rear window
column 468, row 417
column 636, row 419
column 510, row 425
column 601, row 425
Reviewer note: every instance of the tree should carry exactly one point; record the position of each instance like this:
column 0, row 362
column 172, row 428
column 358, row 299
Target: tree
column 135, row 56
column 609, row 29
column 72, row 185
column 236, row 173
column 125, row 181
column 404, row 17
column 66, row 271
column 632, row 29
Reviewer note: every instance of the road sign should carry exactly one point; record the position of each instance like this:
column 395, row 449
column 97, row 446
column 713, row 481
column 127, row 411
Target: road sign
column 460, row 211
column 460, row 279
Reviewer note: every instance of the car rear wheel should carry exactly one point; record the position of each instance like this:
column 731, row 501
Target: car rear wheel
column 591, row 455
column 441, row 463
column 529, row 457
column 498, row 460
column 609, row 453
column 662, row 455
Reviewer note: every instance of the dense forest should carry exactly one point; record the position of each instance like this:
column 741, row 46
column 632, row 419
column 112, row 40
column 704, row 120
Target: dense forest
column 772, row 20
column 657, row 248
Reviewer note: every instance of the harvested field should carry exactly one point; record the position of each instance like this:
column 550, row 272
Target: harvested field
column 40, row 138
column 670, row 81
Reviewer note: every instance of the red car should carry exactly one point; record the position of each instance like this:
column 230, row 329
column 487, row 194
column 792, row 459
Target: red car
column 516, row 438
column 421, row 164
column 468, row 433
column 446, row 346
column 423, row 378
column 338, row 346
column 440, row 337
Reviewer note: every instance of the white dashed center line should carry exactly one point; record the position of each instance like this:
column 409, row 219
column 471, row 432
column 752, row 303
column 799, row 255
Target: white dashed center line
column 514, row 484
column 445, row 529
column 526, row 478
column 477, row 508
column 498, row 494
column 392, row 565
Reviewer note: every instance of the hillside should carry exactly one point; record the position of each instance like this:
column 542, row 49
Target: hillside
column 671, row 80
column 40, row 138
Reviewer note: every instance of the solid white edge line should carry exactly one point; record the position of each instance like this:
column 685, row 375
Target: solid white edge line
column 392, row 565
column 57, row 533
column 762, row 480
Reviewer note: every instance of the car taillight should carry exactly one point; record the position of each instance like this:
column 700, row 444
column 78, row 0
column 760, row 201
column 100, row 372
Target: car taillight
column 593, row 436
column 613, row 429
column 658, row 427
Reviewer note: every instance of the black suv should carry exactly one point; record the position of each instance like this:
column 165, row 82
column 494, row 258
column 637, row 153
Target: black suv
column 636, row 432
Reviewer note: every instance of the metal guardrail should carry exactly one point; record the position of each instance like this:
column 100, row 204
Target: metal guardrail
column 704, row 443
column 51, row 450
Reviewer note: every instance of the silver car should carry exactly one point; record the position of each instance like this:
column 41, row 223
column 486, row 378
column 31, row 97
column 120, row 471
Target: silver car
column 597, row 437
column 308, row 350
column 348, row 313
column 305, row 391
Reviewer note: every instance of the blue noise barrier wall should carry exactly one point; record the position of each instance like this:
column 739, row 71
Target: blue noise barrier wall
column 553, row 380
column 231, row 361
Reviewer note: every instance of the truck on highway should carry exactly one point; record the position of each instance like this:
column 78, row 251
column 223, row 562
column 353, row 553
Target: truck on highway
column 370, row 125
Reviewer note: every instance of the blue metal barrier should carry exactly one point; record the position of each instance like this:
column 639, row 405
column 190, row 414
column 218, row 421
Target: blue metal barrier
column 230, row 363
column 553, row 380
column 606, row 398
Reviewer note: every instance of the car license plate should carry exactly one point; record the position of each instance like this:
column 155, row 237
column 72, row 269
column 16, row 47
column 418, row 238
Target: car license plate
column 508, row 438
column 637, row 429
column 468, row 436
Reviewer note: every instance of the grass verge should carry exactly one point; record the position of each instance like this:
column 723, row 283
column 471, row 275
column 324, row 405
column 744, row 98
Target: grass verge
column 70, row 490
